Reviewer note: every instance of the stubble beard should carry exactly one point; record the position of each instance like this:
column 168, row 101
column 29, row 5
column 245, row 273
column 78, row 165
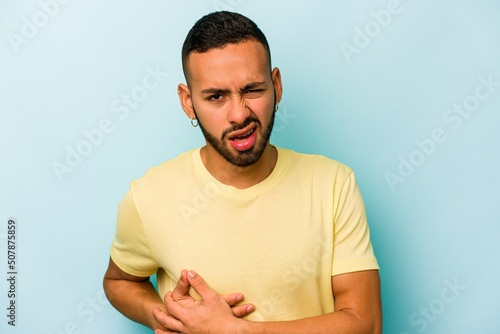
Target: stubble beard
column 240, row 158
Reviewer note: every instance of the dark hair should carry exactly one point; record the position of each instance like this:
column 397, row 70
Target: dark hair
column 215, row 30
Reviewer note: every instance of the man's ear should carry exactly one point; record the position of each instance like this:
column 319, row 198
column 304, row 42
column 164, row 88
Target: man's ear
column 186, row 101
column 278, row 88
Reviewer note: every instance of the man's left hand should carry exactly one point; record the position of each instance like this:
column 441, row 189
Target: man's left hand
column 212, row 314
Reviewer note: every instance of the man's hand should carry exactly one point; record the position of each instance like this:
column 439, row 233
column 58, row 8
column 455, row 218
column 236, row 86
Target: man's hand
column 213, row 314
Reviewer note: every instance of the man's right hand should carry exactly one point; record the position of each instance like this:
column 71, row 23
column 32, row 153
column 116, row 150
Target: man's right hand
column 181, row 295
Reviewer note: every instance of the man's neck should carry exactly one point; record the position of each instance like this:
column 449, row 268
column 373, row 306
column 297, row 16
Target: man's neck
column 239, row 177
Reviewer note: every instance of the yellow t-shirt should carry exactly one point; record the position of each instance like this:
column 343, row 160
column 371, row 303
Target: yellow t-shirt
column 277, row 242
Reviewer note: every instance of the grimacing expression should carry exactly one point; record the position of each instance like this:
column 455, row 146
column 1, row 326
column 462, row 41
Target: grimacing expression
column 233, row 97
column 241, row 158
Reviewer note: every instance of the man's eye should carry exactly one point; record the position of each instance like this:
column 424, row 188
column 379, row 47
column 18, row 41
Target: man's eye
column 215, row 97
column 255, row 91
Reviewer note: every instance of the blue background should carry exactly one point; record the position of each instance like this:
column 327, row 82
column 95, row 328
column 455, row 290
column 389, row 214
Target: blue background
column 436, row 226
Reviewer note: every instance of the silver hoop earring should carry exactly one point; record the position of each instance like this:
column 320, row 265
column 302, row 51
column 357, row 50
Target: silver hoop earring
column 192, row 122
column 276, row 107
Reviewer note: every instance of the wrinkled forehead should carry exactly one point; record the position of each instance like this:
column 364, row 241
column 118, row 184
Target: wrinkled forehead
column 245, row 61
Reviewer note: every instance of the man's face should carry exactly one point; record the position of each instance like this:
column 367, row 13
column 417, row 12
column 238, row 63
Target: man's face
column 233, row 97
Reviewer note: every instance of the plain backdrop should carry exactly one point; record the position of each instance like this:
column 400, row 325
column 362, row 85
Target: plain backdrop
column 406, row 93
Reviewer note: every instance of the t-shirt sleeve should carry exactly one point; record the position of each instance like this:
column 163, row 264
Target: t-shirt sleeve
column 130, row 249
column 352, row 249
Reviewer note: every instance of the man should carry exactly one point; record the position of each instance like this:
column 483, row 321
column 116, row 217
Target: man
column 285, row 231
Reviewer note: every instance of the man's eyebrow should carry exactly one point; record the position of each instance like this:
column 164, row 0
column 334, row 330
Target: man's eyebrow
column 216, row 91
column 249, row 86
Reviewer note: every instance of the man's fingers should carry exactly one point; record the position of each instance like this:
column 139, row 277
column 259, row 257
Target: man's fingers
column 242, row 310
column 181, row 290
column 161, row 331
column 175, row 311
column 233, row 299
column 172, row 324
column 199, row 285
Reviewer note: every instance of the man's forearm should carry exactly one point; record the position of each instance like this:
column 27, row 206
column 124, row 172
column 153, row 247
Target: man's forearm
column 339, row 322
column 135, row 300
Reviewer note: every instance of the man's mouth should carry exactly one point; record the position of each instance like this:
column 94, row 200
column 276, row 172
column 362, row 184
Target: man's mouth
column 243, row 136
column 244, row 139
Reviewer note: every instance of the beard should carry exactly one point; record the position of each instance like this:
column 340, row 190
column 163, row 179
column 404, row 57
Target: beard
column 240, row 158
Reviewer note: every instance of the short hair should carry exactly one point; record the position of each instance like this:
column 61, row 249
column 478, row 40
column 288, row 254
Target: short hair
column 216, row 30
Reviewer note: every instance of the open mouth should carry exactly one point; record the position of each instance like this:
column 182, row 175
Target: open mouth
column 244, row 136
column 244, row 139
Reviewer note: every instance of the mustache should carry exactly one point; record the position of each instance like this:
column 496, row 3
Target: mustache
column 237, row 127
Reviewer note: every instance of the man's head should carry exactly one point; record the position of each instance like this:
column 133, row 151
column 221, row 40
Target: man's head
column 216, row 30
column 231, row 89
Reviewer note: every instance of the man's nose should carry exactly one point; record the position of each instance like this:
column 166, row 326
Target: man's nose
column 238, row 112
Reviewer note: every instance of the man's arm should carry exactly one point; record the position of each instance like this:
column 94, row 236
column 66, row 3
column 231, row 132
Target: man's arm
column 133, row 296
column 357, row 310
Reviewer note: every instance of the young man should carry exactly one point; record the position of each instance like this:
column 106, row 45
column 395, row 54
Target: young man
column 286, row 230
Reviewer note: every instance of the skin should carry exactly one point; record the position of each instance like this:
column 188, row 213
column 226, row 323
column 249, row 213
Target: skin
column 227, row 87
column 135, row 297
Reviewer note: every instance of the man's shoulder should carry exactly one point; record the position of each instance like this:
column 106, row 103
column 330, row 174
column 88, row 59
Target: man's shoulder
column 172, row 169
column 315, row 162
